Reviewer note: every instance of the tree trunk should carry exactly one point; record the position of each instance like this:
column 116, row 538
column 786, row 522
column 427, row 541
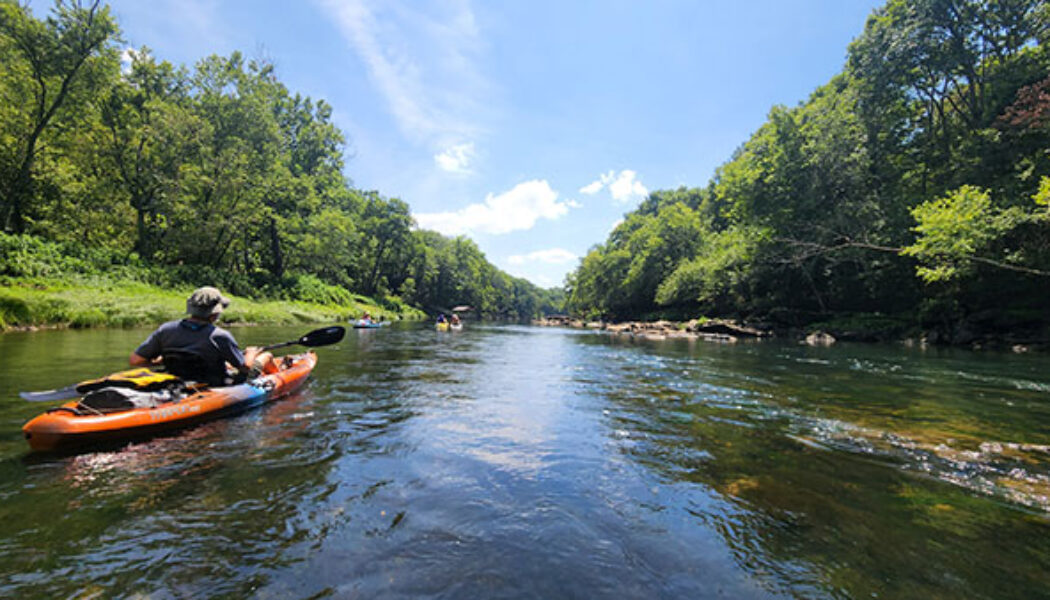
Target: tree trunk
column 275, row 250
column 372, row 281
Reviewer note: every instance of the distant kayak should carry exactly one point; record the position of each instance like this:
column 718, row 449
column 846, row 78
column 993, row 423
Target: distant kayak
column 443, row 326
column 369, row 324
column 456, row 326
column 110, row 414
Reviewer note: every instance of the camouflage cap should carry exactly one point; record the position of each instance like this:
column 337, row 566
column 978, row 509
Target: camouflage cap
column 205, row 302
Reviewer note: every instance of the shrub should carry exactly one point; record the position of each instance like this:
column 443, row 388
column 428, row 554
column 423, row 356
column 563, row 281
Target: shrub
column 14, row 311
column 308, row 288
column 30, row 256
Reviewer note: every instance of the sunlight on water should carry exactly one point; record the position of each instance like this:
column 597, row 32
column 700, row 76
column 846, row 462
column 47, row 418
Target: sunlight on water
column 1016, row 472
column 516, row 461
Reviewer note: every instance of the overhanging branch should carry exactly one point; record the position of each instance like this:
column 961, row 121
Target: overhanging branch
column 815, row 249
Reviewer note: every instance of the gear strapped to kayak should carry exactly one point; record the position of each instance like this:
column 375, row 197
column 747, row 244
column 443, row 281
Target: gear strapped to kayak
column 136, row 379
column 117, row 413
column 141, row 402
column 116, row 399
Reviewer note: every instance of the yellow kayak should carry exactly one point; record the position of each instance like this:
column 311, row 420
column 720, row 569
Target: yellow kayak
column 442, row 326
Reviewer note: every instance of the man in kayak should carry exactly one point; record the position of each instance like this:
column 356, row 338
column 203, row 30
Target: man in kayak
column 195, row 348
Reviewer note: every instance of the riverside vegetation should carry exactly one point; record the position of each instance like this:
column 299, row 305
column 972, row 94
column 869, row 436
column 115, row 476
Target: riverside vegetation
column 907, row 197
column 123, row 188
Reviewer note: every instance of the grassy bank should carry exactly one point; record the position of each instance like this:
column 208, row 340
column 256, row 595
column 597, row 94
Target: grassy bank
column 101, row 303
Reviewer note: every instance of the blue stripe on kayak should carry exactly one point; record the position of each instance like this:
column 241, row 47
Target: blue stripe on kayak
column 246, row 395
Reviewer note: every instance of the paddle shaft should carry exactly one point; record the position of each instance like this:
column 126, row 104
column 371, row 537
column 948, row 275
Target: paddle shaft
column 318, row 337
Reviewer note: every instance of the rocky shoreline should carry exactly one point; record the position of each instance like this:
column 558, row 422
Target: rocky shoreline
column 729, row 331
column 714, row 330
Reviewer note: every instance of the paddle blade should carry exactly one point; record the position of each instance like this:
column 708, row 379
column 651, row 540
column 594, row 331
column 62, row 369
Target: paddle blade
column 323, row 337
column 66, row 393
column 317, row 337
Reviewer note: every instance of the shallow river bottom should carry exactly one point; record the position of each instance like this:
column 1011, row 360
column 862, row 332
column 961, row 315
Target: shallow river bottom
column 508, row 461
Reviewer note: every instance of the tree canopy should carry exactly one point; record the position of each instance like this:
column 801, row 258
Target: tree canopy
column 914, row 182
column 216, row 173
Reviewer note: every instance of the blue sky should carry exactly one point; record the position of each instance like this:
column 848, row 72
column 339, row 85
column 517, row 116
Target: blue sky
column 529, row 126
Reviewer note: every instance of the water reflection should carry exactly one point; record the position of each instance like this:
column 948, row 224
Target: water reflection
column 513, row 461
column 812, row 503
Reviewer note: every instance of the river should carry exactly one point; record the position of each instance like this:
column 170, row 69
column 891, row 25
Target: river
column 515, row 462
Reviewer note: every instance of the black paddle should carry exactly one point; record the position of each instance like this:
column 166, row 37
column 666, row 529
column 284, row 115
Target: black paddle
column 318, row 337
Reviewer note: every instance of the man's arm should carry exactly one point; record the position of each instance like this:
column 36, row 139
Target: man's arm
column 140, row 361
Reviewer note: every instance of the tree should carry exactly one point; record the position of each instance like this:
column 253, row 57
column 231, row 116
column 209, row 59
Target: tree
column 64, row 59
column 148, row 134
column 388, row 224
column 957, row 231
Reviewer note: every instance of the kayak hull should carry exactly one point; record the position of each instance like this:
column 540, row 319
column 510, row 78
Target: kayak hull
column 63, row 428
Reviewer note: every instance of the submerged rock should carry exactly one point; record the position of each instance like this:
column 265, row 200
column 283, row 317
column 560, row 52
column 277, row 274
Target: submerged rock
column 820, row 338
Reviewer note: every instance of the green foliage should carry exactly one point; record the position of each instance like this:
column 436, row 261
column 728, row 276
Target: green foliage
column 716, row 276
column 445, row 273
column 926, row 147
column 212, row 175
column 951, row 230
column 27, row 256
column 52, row 67
column 309, row 288
column 955, row 230
column 1042, row 197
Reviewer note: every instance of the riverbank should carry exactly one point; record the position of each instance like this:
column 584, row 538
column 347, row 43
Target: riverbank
column 976, row 333
column 28, row 305
column 716, row 330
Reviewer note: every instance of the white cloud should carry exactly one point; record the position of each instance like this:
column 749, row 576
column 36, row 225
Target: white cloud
column 624, row 187
column 592, row 188
column 456, row 159
column 127, row 57
column 554, row 256
column 513, row 210
column 423, row 60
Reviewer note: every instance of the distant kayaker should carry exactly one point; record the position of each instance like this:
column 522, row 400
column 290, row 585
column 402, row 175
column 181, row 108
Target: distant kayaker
column 195, row 348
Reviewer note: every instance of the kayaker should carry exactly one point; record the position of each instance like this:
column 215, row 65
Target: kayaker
column 197, row 349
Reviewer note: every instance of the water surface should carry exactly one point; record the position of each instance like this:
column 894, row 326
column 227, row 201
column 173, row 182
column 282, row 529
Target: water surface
column 507, row 461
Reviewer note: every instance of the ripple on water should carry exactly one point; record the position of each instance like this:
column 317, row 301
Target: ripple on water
column 1016, row 472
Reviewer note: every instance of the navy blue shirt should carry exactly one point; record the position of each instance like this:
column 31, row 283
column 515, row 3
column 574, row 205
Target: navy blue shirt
column 214, row 345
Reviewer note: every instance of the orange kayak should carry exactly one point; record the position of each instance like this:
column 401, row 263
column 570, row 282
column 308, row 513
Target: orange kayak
column 73, row 425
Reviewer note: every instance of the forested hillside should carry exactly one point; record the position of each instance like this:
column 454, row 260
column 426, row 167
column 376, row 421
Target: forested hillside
column 211, row 174
column 913, row 187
